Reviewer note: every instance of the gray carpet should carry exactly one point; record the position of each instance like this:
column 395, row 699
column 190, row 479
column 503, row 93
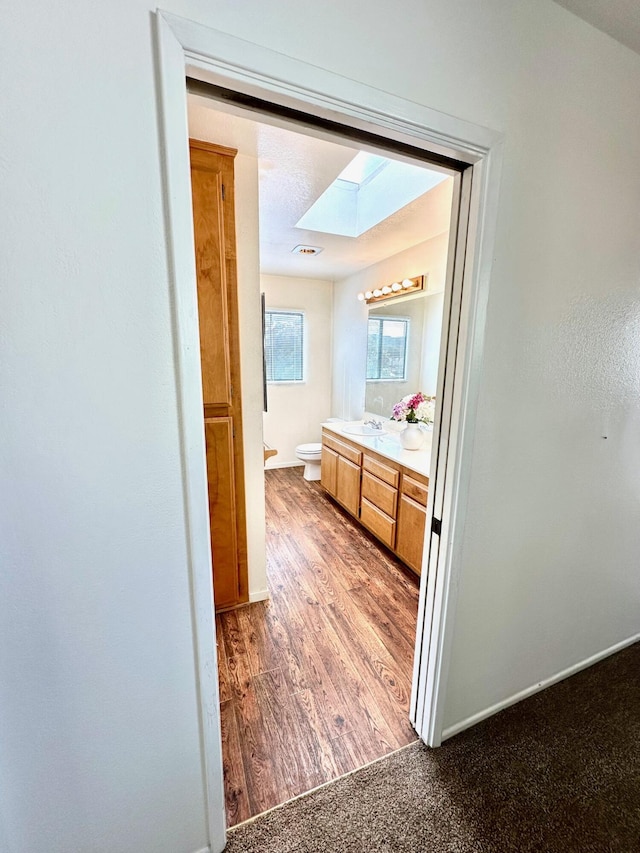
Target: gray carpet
column 558, row 773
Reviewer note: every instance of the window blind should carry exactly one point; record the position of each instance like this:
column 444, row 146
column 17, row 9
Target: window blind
column 284, row 345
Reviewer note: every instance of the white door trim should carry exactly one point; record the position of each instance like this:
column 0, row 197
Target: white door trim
column 224, row 60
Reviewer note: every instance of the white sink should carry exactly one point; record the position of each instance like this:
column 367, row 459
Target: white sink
column 361, row 429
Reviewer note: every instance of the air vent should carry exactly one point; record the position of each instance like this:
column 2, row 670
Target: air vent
column 306, row 250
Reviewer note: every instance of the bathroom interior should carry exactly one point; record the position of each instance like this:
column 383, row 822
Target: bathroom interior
column 348, row 247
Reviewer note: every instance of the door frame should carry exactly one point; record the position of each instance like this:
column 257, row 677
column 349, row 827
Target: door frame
column 186, row 48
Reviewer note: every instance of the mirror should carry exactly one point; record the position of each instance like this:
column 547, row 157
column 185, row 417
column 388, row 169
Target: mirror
column 403, row 347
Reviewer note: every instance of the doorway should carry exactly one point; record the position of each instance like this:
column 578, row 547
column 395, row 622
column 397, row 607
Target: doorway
column 256, row 72
column 316, row 681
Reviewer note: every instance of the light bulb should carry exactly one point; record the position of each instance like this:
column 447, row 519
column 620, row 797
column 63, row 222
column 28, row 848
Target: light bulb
column 361, row 297
column 396, row 286
column 368, row 295
column 377, row 293
column 407, row 283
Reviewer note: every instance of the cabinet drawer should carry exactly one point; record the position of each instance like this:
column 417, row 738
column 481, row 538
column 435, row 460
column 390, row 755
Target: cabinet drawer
column 378, row 522
column 383, row 496
column 381, row 471
column 342, row 448
column 413, row 489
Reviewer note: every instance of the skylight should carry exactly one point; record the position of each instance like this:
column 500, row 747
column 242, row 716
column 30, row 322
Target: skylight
column 369, row 190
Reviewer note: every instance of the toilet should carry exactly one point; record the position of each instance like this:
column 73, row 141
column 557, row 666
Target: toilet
column 311, row 455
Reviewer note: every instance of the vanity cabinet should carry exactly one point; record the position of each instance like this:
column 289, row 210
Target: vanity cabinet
column 388, row 498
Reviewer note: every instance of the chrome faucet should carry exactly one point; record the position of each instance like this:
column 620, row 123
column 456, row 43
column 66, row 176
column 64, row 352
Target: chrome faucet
column 374, row 424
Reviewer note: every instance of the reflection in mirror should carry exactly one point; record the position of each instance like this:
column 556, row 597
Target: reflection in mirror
column 403, row 344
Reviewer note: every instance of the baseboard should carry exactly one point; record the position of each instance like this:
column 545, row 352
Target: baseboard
column 259, row 595
column 536, row 688
column 284, row 465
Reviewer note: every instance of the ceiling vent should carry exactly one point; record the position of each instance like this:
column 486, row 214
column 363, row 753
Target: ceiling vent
column 307, row 251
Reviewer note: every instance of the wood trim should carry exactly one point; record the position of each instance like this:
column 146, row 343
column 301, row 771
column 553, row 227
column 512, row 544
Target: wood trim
column 212, row 147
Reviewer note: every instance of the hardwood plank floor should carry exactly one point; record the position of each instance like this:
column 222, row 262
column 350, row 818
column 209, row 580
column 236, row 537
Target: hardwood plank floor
column 315, row 682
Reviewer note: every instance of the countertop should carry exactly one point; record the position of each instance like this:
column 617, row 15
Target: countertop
column 388, row 444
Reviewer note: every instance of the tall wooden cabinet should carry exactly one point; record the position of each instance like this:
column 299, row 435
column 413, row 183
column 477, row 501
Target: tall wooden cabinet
column 212, row 184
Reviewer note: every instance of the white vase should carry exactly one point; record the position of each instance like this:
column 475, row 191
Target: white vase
column 411, row 437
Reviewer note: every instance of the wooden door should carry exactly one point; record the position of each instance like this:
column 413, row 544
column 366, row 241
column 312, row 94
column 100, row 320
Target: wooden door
column 212, row 187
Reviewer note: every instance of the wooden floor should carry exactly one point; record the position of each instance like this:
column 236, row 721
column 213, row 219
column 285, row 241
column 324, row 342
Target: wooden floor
column 315, row 682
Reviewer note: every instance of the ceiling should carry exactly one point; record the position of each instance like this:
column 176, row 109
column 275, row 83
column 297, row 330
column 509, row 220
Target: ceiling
column 618, row 18
column 294, row 169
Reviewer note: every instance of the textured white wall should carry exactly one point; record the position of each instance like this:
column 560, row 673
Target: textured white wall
column 296, row 411
column 100, row 748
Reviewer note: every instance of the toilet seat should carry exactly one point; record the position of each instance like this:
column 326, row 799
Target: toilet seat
column 313, row 448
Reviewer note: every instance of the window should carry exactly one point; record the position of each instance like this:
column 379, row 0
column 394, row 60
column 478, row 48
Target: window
column 284, row 345
column 387, row 348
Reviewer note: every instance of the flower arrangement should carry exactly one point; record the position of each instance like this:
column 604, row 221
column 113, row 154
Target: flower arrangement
column 415, row 409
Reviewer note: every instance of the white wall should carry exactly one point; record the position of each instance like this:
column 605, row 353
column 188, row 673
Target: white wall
column 250, row 319
column 100, row 749
column 350, row 316
column 295, row 411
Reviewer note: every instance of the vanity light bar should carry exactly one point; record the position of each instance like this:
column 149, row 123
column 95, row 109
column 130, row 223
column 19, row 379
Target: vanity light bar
column 389, row 291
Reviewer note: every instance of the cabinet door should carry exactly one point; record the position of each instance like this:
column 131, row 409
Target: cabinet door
column 348, row 485
column 410, row 533
column 222, row 510
column 206, row 189
column 329, row 471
